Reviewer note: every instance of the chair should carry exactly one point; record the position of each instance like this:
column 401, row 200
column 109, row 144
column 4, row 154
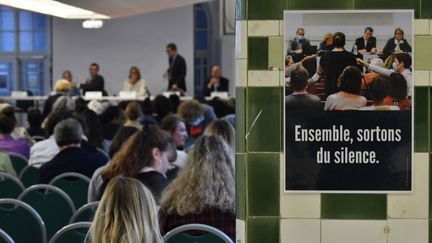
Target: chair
column 4, row 237
column 21, row 221
column 85, row 213
column 213, row 235
column 75, row 185
column 18, row 161
column 10, row 186
column 53, row 205
column 72, row 233
column 103, row 152
column 30, row 174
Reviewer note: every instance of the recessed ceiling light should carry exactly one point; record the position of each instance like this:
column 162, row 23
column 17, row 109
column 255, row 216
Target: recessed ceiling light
column 53, row 8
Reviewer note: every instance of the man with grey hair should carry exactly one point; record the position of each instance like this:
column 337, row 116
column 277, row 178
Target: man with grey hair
column 71, row 158
column 300, row 99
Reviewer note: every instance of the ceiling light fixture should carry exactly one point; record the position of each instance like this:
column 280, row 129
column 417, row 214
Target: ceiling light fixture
column 53, row 8
column 92, row 24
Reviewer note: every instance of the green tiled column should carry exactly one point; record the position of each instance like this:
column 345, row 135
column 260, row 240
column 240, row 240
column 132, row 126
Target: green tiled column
column 267, row 213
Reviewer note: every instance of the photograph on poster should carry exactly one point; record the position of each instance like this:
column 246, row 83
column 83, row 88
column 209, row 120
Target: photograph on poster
column 348, row 101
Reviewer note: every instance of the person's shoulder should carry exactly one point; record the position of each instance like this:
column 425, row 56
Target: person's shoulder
column 314, row 97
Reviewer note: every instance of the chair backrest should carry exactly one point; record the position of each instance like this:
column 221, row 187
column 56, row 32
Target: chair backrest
column 21, row 221
column 212, row 235
column 18, row 161
column 103, row 152
column 75, row 185
column 10, row 186
column 53, row 205
column 72, row 233
column 85, row 213
column 4, row 237
column 30, row 174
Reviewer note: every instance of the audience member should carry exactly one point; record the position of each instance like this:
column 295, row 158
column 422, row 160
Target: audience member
column 121, row 137
column 203, row 192
column 144, row 157
column 80, row 105
column 176, row 70
column 300, row 99
column 132, row 113
column 335, row 61
column 71, row 158
column 93, row 131
column 401, row 64
column 398, row 92
column 6, row 165
column 222, row 128
column 175, row 102
column 74, row 90
column 216, row 83
column 45, row 150
column 112, row 119
column 192, row 112
column 348, row 98
column 95, row 82
column 134, row 82
column 127, row 213
column 397, row 44
column 379, row 89
column 34, row 119
column 176, row 127
column 7, row 126
column 61, row 88
column 161, row 107
column 327, row 44
column 366, row 43
column 368, row 77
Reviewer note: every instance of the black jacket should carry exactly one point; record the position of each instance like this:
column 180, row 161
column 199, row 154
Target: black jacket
column 177, row 72
column 359, row 42
column 390, row 46
column 97, row 83
column 223, row 86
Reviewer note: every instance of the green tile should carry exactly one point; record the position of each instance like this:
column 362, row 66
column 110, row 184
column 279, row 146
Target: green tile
column 258, row 53
column 423, row 52
column 263, row 230
column 430, row 231
column 426, row 9
column 268, row 9
column 240, row 119
column 265, row 135
column 421, row 119
column 430, row 189
column 389, row 4
column 353, row 206
column 240, row 9
column 275, row 52
column 241, row 186
column 318, row 4
column 263, row 184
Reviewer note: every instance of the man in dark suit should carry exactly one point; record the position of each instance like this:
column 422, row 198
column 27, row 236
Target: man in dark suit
column 299, row 46
column 176, row 70
column 95, row 82
column 72, row 157
column 216, row 82
column 366, row 43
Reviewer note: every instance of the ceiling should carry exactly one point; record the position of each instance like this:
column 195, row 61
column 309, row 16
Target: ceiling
column 124, row 8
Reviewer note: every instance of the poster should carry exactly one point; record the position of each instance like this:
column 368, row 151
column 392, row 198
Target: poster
column 348, row 109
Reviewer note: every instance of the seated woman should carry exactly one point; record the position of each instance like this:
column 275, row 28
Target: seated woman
column 145, row 156
column 127, row 213
column 134, row 82
column 379, row 89
column 203, row 192
column 348, row 98
column 61, row 88
column 327, row 44
column 174, row 125
column 7, row 126
column 132, row 113
column 222, row 128
column 397, row 44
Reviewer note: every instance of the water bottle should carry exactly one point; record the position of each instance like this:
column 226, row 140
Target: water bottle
column 355, row 50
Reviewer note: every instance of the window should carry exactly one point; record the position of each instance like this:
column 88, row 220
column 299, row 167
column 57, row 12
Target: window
column 24, row 51
column 202, row 53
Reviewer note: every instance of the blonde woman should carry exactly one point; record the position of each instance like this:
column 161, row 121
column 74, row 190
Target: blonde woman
column 203, row 192
column 127, row 213
column 223, row 129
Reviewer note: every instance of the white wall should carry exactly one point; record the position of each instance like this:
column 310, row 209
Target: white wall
column 122, row 43
column 227, row 63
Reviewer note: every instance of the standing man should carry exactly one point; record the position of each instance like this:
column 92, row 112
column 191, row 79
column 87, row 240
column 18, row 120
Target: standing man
column 216, row 82
column 95, row 82
column 365, row 44
column 176, row 70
